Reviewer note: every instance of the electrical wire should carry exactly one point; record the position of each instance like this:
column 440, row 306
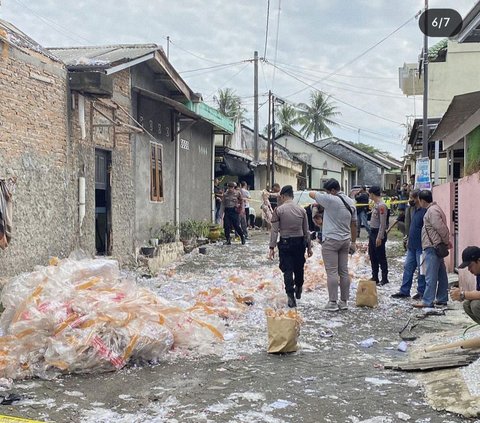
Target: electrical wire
column 341, row 87
column 359, row 56
column 194, row 54
column 228, row 80
column 336, row 98
column 389, row 93
column 266, row 29
column 55, row 26
column 224, row 65
column 338, row 74
column 276, row 40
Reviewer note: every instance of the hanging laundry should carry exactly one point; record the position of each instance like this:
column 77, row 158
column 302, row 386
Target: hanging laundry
column 7, row 189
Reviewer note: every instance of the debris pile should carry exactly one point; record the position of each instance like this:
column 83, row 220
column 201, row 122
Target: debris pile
column 81, row 316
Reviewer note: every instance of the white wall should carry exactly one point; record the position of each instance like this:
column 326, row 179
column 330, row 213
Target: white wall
column 458, row 75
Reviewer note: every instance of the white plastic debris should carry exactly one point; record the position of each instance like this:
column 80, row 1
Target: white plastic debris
column 367, row 343
column 80, row 316
column 403, row 416
column 279, row 404
column 402, row 346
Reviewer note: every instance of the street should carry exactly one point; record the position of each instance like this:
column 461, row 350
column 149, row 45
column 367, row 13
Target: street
column 330, row 379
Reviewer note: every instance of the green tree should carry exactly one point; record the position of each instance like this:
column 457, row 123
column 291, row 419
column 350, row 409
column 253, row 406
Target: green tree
column 286, row 117
column 230, row 104
column 315, row 117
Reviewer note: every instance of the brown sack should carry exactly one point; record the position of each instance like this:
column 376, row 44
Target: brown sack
column 367, row 294
column 283, row 331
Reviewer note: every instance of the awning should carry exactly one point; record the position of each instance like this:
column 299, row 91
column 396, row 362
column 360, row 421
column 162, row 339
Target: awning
column 461, row 118
column 231, row 162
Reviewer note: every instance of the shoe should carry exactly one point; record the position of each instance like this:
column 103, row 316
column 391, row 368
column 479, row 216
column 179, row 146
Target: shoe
column 417, row 296
column 342, row 305
column 227, row 243
column 399, row 295
column 422, row 305
column 298, row 292
column 331, row 306
column 291, row 301
column 243, row 241
column 384, row 282
column 440, row 304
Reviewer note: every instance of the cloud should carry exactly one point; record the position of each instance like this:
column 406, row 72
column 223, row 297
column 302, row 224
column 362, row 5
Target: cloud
column 315, row 38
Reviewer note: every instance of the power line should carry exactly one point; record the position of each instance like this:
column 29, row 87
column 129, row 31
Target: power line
column 382, row 93
column 228, row 80
column 52, row 24
column 338, row 74
column 224, row 65
column 193, row 54
column 266, row 29
column 276, row 40
column 360, row 55
column 336, row 98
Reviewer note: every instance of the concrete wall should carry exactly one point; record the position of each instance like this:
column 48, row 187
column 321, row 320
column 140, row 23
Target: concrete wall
column 196, row 172
column 443, row 195
column 469, row 229
column 118, row 143
column 35, row 147
column 195, row 161
column 458, row 75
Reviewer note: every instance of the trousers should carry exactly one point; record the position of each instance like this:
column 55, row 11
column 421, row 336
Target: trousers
column 378, row 255
column 291, row 252
column 335, row 259
column 230, row 220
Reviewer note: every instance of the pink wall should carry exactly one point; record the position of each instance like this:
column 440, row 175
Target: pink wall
column 444, row 196
column 468, row 227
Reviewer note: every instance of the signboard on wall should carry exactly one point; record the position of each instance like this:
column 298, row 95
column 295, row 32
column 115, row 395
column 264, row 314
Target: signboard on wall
column 422, row 174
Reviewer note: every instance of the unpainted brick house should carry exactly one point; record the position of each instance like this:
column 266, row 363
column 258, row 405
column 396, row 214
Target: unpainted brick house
column 108, row 144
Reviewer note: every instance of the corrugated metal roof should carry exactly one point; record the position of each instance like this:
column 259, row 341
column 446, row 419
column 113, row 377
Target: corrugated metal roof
column 457, row 122
column 102, row 56
column 19, row 39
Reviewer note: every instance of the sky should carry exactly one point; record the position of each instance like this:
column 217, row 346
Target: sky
column 345, row 48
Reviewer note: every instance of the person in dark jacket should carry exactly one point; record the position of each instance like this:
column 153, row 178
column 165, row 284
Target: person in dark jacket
column 414, row 250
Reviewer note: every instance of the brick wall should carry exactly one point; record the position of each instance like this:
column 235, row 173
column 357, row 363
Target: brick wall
column 34, row 147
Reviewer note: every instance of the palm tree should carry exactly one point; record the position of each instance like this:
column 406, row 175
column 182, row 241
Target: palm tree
column 315, row 117
column 230, row 104
column 286, row 117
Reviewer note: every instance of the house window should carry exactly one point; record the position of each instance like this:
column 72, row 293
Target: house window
column 156, row 172
column 325, row 171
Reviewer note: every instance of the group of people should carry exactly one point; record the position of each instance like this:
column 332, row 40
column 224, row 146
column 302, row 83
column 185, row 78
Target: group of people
column 232, row 205
column 290, row 233
column 428, row 244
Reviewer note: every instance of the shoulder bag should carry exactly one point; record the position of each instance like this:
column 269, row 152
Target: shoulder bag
column 441, row 250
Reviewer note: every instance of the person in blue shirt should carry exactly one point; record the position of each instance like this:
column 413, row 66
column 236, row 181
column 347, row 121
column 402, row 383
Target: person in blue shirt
column 414, row 251
column 471, row 299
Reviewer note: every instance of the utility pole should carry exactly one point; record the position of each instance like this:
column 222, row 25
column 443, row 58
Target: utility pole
column 255, row 106
column 273, row 139
column 269, row 128
column 425, row 89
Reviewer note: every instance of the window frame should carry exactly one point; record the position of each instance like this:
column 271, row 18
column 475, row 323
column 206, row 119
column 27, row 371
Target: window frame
column 156, row 173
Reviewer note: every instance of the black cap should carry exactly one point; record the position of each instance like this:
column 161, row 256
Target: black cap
column 468, row 255
column 287, row 189
column 375, row 190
